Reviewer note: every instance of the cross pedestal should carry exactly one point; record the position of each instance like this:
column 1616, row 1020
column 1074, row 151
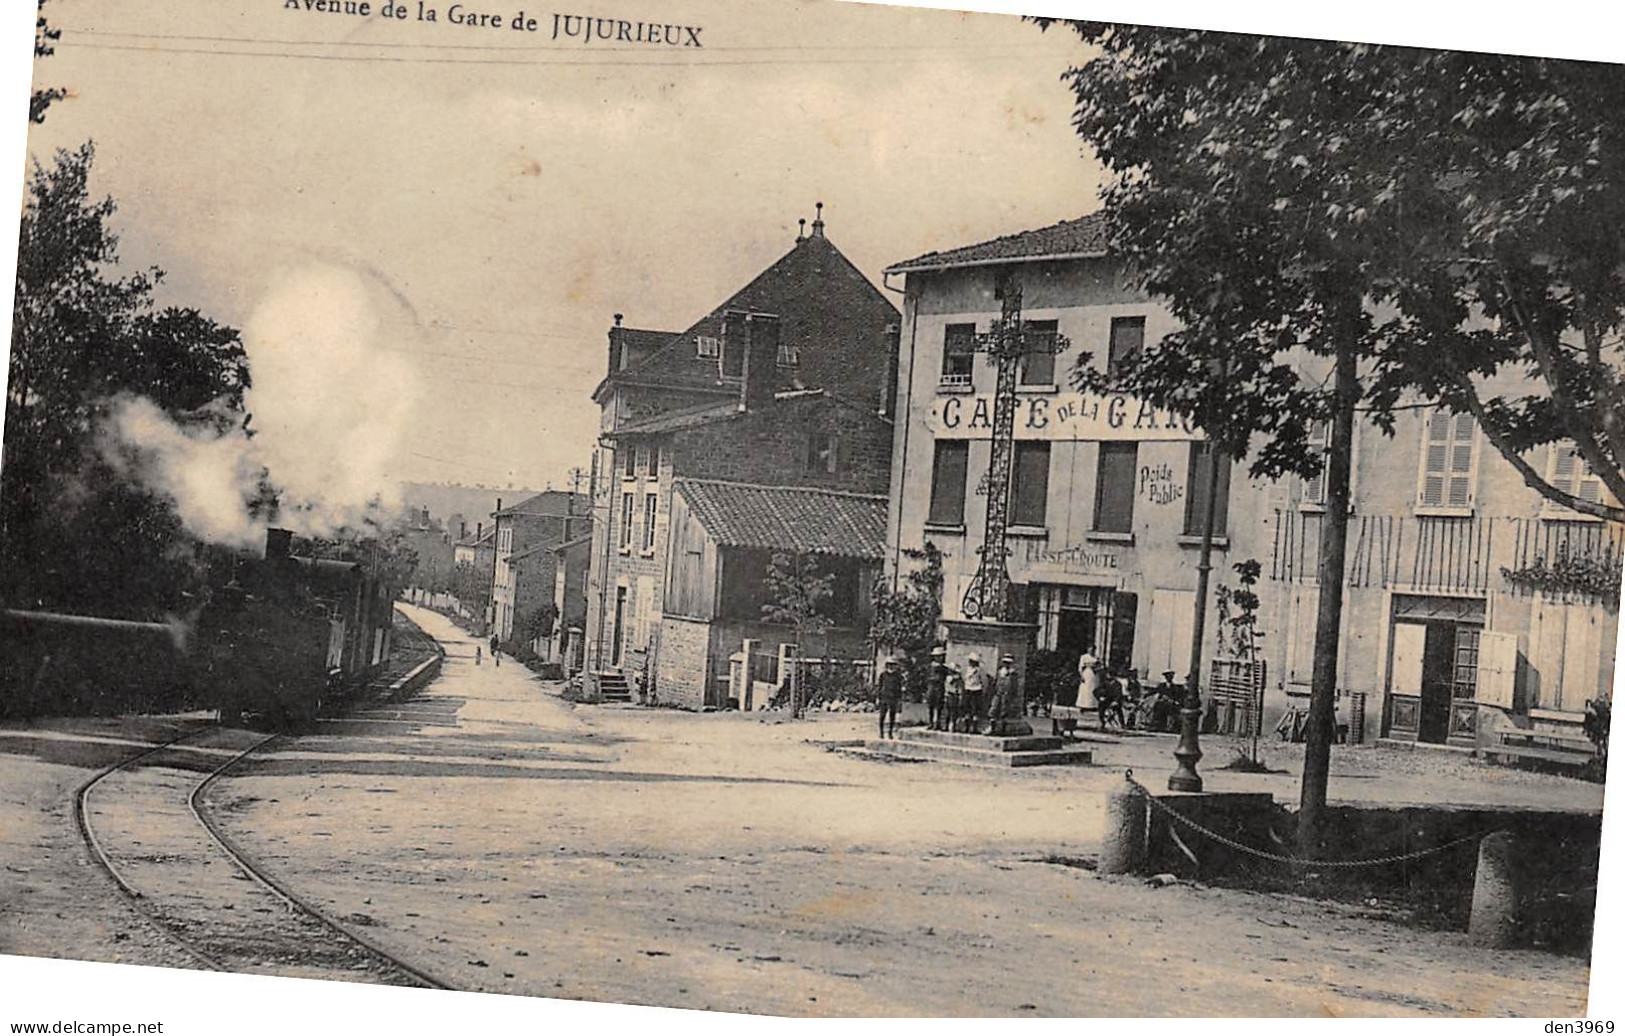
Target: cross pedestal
column 994, row 640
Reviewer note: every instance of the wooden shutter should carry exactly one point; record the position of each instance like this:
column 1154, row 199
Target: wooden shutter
column 1030, row 494
column 1409, row 641
column 1314, row 489
column 1497, row 669
column 1301, row 646
column 1114, row 487
column 948, row 482
column 1172, row 620
column 1448, row 449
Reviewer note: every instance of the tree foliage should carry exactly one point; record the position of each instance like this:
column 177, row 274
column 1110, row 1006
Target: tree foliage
column 45, row 38
column 72, row 532
column 1453, row 217
column 906, row 619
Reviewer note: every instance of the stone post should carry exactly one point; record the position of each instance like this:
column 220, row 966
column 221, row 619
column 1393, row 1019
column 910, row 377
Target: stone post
column 1122, row 846
column 1494, row 917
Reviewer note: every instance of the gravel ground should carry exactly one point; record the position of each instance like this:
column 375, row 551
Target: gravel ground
column 514, row 843
column 511, row 842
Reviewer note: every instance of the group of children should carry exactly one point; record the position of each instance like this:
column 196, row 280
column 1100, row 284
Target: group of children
column 971, row 700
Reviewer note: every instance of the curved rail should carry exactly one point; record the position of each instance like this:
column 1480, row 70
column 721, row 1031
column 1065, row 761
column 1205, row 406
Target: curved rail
column 238, row 856
column 81, row 820
column 292, row 900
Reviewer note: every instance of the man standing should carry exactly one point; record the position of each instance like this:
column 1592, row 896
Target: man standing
column 976, row 682
column 936, row 689
column 1005, row 707
column 496, row 650
column 889, row 694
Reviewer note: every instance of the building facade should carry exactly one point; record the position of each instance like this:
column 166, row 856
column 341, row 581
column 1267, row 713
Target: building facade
column 785, row 384
column 1444, row 637
column 523, row 563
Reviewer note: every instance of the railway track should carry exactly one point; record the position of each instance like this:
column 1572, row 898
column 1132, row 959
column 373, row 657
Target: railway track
column 147, row 824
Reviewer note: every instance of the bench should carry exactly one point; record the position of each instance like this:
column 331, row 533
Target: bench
column 1549, row 746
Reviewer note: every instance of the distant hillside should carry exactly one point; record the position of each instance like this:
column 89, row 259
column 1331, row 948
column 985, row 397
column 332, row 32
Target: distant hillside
column 474, row 503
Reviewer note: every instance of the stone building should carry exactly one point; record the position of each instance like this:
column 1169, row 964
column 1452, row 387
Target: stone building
column 787, row 383
column 1444, row 640
column 570, row 563
column 523, row 564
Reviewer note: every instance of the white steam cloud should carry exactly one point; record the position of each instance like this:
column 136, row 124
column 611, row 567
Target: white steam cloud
column 330, row 404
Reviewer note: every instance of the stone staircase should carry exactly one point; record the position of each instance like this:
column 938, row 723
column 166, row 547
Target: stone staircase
column 982, row 750
column 612, row 686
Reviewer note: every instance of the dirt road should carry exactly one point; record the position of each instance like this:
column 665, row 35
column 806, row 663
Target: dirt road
column 515, row 843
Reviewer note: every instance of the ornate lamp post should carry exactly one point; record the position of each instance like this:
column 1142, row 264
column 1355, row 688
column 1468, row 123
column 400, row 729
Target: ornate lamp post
column 1189, row 750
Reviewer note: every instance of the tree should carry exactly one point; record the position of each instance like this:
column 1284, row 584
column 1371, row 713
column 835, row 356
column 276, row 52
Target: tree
column 906, row 619
column 72, row 532
column 44, row 37
column 1343, row 228
column 797, row 592
column 471, row 585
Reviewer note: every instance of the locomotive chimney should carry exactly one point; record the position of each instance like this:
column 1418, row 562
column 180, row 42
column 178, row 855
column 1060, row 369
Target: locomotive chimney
column 278, row 544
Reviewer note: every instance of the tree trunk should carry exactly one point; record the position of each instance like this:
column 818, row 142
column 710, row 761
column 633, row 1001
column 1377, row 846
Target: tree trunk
column 1317, row 754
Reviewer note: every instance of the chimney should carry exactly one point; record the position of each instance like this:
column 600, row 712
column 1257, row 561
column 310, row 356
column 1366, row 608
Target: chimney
column 616, row 360
column 801, row 230
column 818, row 222
column 761, row 375
column 894, row 346
column 278, row 544
column 479, row 530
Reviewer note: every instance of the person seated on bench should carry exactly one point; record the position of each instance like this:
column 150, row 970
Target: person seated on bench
column 1166, row 700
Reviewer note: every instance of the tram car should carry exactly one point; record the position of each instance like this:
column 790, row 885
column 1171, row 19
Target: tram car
column 288, row 636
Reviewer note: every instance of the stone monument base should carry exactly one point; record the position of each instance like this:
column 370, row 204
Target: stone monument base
column 981, row 749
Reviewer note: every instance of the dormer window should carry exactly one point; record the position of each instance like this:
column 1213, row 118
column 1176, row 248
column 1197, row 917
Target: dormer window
column 707, row 347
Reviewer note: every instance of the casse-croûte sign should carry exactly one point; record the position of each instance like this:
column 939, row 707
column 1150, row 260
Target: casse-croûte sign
column 1061, row 416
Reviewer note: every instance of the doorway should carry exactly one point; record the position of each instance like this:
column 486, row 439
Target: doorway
column 1438, row 664
column 620, row 628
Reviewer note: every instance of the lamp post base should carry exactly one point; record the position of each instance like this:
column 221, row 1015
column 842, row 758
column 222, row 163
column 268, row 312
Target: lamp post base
column 1188, row 752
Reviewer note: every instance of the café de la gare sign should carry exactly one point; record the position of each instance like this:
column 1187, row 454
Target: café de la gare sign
column 1061, row 416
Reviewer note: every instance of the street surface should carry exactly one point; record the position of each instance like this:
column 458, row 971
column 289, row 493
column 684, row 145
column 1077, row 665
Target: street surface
column 508, row 841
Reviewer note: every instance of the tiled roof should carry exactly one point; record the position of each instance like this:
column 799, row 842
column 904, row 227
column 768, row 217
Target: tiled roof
column 801, row 519
column 638, row 338
column 1073, row 238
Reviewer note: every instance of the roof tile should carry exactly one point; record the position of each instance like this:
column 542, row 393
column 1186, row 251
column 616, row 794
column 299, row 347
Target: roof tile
column 801, row 519
column 1085, row 236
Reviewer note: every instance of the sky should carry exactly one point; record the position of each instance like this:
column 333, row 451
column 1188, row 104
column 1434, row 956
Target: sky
column 507, row 193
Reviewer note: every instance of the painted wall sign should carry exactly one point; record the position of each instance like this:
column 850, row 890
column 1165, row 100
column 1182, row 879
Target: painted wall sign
column 1070, row 559
column 1061, row 417
column 1158, row 484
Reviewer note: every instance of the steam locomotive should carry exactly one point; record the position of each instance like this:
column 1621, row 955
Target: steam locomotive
column 277, row 638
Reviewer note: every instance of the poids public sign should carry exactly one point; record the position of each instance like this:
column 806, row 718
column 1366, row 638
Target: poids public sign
column 1061, row 416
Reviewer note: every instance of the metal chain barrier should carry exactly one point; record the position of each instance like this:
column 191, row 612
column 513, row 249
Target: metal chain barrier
column 1294, row 860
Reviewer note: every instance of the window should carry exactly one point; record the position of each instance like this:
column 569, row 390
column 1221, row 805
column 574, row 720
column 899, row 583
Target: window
column 1114, row 487
column 822, row 453
column 1128, row 338
column 1038, row 359
column 649, row 503
column 1029, row 493
column 735, row 341
column 629, row 461
column 789, row 355
column 948, row 482
column 1196, row 492
column 626, row 521
column 1569, row 473
column 654, row 460
column 707, row 347
column 1449, row 447
column 1314, row 489
column 958, row 354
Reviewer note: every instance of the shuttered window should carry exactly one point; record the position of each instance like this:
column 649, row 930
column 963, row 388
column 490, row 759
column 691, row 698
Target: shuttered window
column 1570, row 474
column 1196, row 492
column 948, row 482
column 1029, row 493
column 1128, row 338
column 1448, row 446
column 1314, row 489
column 649, row 507
column 1114, row 487
column 626, row 521
column 1038, row 361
